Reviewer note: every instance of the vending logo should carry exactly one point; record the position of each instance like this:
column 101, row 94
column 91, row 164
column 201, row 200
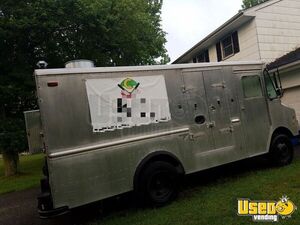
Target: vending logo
column 129, row 85
column 266, row 211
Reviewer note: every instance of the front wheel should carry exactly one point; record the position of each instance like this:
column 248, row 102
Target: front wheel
column 158, row 183
column 281, row 150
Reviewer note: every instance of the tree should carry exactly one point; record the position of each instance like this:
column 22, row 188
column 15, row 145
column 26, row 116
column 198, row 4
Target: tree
column 250, row 3
column 109, row 32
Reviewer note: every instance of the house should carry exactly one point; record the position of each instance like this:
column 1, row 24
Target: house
column 289, row 67
column 264, row 32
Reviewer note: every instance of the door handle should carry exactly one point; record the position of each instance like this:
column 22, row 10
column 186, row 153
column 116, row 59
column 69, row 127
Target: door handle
column 235, row 120
column 212, row 107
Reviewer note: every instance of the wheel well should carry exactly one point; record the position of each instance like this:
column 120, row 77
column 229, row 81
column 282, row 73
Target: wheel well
column 158, row 156
column 282, row 130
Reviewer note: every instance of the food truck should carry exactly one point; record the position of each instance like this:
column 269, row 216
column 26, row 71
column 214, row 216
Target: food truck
column 112, row 130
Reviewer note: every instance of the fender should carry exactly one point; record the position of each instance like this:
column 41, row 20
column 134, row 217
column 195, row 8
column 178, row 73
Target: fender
column 157, row 156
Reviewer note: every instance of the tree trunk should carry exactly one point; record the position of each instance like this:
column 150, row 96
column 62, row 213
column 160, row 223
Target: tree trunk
column 11, row 163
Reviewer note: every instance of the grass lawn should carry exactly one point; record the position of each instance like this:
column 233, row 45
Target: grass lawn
column 211, row 197
column 31, row 173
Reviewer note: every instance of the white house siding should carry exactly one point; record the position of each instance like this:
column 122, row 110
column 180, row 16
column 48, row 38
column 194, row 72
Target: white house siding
column 290, row 79
column 274, row 31
column 248, row 43
column 212, row 51
column 278, row 29
column 291, row 85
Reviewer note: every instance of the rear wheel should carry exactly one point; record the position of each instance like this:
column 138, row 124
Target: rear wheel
column 158, row 183
column 281, row 150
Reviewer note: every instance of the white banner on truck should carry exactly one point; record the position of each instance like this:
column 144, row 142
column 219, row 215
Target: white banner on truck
column 117, row 103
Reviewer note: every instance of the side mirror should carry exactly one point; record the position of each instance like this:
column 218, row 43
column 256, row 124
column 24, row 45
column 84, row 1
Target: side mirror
column 275, row 81
column 279, row 92
column 278, row 85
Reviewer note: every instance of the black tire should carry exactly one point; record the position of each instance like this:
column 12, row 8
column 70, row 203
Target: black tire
column 281, row 150
column 158, row 184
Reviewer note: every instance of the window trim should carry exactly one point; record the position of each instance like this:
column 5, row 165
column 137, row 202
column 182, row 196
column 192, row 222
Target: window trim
column 222, row 47
column 204, row 53
column 235, row 44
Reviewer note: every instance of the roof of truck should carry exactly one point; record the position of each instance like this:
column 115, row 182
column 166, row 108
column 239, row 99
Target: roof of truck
column 40, row 72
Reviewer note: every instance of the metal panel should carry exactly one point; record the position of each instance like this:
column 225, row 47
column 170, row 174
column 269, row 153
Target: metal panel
column 129, row 69
column 99, row 174
column 226, row 129
column 33, row 131
column 85, row 166
column 67, row 118
column 291, row 98
column 67, row 127
column 282, row 116
column 213, row 94
column 218, row 108
column 255, row 118
column 232, row 83
column 116, row 143
column 200, row 136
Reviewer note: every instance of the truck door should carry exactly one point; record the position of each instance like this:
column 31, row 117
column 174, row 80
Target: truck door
column 216, row 133
column 225, row 124
column 254, row 113
column 200, row 139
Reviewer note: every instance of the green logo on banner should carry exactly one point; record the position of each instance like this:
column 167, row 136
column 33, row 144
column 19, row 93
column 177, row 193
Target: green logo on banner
column 129, row 85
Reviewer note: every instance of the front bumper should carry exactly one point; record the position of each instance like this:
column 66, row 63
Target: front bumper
column 45, row 214
column 296, row 140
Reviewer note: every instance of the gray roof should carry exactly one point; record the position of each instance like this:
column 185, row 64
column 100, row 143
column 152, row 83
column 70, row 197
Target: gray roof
column 286, row 59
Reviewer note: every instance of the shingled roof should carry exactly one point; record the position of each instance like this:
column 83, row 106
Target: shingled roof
column 285, row 59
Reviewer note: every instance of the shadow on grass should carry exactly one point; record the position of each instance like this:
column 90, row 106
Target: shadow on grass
column 121, row 205
column 231, row 170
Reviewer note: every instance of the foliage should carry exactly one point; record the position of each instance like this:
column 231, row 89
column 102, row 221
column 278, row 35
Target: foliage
column 109, row 32
column 250, row 3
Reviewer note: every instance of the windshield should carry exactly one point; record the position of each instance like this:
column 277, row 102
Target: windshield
column 272, row 87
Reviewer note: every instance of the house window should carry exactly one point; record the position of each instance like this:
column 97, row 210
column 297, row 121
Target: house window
column 202, row 57
column 228, row 46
